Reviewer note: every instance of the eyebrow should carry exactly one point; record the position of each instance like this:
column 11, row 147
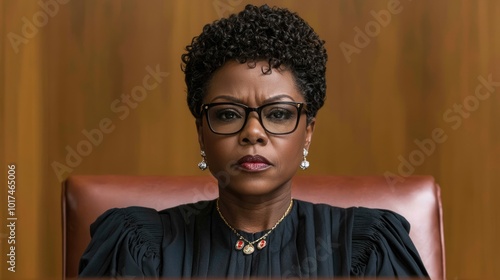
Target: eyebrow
column 237, row 100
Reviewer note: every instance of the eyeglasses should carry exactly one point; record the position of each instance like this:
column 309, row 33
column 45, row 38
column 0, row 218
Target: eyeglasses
column 229, row 118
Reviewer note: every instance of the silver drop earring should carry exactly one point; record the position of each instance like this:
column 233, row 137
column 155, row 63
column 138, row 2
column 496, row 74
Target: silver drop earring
column 203, row 164
column 304, row 164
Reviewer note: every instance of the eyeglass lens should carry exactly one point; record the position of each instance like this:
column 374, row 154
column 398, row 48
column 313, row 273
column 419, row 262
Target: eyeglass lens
column 278, row 118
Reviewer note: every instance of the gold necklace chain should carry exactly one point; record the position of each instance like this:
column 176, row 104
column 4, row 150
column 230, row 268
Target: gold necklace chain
column 248, row 249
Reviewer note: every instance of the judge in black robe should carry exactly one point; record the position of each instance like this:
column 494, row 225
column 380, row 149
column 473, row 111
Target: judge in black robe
column 255, row 82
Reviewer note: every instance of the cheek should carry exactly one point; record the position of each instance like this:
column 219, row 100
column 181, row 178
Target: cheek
column 218, row 150
column 289, row 151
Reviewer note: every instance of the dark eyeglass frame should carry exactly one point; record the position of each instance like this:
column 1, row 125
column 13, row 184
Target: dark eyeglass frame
column 298, row 105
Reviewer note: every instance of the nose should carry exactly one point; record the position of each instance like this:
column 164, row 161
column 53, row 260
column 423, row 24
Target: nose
column 253, row 132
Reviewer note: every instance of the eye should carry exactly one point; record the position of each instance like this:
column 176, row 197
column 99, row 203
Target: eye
column 227, row 115
column 279, row 114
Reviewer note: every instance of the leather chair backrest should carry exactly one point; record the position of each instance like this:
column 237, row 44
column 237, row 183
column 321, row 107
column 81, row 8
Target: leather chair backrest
column 417, row 198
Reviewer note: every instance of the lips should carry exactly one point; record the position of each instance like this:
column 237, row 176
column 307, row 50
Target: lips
column 253, row 163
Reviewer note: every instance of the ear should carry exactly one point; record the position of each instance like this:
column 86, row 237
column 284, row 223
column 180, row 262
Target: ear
column 199, row 129
column 309, row 133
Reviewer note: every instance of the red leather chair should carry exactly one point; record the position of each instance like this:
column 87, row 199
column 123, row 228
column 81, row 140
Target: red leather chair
column 417, row 199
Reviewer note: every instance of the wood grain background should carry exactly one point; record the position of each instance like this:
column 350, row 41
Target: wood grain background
column 411, row 98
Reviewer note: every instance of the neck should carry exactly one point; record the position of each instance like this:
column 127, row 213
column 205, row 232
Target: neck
column 253, row 214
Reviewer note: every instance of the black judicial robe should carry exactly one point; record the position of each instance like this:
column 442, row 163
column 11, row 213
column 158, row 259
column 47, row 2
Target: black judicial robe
column 314, row 240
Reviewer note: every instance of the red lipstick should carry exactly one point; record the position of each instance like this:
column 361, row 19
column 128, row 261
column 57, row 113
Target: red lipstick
column 253, row 163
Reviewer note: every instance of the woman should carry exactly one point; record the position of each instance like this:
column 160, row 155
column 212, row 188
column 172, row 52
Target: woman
column 255, row 82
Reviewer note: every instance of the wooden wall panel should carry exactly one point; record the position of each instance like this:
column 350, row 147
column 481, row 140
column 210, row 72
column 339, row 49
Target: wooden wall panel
column 405, row 83
column 22, row 125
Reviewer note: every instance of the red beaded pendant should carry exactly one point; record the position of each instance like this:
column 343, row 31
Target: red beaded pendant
column 239, row 244
column 261, row 244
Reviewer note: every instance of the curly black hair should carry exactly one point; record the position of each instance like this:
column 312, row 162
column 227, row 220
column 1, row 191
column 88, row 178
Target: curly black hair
column 275, row 35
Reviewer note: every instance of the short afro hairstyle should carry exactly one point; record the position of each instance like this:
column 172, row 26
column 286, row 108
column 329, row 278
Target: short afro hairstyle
column 275, row 35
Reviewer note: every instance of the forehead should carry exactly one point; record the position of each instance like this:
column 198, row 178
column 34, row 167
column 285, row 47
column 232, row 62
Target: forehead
column 250, row 85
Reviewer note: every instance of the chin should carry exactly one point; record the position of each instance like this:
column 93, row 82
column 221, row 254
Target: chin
column 253, row 185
